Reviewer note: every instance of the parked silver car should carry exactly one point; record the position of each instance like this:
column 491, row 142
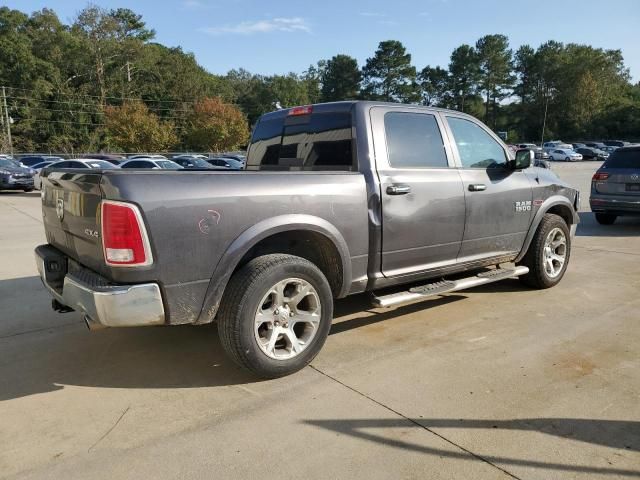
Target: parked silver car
column 615, row 187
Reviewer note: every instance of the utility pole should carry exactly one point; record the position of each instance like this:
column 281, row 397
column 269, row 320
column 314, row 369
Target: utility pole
column 7, row 120
column 544, row 121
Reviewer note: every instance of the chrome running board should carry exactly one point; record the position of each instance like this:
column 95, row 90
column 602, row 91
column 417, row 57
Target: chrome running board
column 447, row 286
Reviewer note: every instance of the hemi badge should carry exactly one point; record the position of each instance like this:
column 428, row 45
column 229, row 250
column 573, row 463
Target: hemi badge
column 537, row 202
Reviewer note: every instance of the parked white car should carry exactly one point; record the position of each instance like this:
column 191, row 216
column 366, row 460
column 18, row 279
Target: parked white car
column 564, row 154
column 36, row 177
column 556, row 144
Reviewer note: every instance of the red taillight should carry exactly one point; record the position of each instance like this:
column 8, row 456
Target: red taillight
column 124, row 239
column 306, row 110
column 599, row 176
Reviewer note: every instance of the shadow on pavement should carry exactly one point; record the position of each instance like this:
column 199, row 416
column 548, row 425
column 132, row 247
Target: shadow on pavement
column 42, row 350
column 623, row 227
column 618, row 434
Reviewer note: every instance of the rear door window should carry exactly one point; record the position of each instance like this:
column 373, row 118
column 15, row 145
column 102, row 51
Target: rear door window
column 316, row 141
column 624, row 159
column 414, row 141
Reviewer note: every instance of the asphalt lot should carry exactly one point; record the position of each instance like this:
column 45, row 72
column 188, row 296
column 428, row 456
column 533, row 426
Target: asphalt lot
column 496, row 382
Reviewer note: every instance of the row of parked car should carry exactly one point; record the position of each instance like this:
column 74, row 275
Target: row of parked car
column 23, row 173
column 560, row 151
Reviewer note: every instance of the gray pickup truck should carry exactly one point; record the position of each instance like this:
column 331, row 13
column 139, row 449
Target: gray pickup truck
column 335, row 199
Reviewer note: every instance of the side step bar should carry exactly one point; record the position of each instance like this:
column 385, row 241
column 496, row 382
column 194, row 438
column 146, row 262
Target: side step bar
column 447, row 286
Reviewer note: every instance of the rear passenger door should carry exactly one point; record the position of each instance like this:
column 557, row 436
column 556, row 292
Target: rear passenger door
column 498, row 199
column 423, row 204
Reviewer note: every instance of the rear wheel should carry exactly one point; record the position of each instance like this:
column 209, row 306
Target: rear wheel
column 275, row 315
column 605, row 218
column 548, row 254
column 567, row 159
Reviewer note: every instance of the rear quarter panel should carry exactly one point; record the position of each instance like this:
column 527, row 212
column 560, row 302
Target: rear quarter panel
column 196, row 221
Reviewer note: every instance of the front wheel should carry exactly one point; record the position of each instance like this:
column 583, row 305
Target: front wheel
column 548, row 254
column 567, row 159
column 275, row 315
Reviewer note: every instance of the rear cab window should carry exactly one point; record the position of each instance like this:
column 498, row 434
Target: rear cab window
column 308, row 142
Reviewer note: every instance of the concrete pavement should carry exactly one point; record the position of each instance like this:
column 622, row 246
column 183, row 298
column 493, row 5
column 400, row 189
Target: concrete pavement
column 495, row 382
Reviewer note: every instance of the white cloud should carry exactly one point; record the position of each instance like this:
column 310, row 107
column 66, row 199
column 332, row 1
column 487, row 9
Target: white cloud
column 193, row 4
column 372, row 14
column 282, row 24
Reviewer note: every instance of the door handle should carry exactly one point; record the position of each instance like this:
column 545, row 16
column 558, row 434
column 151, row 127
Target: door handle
column 477, row 187
column 398, row 189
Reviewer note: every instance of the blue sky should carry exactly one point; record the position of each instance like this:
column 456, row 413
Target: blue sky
column 279, row 36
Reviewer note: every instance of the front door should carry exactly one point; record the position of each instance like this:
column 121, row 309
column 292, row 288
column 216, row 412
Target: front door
column 423, row 204
column 498, row 199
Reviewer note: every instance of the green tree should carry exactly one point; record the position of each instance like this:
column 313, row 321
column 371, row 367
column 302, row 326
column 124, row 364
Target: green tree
column 435, row 83
column 389, row 75
column 216, row 126
column 341, row 79
column 132, row 128
column 496, row 77
column 464, row 72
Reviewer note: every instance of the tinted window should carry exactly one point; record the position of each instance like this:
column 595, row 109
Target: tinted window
column 29, row 161
column 138, row 164
column 76, row 165
column 319, row 141
column 61, row 165
column 414, row 141
column 624, row 159
column 476, row 147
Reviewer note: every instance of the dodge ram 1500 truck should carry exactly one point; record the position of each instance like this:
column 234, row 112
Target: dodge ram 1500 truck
column 335, row 199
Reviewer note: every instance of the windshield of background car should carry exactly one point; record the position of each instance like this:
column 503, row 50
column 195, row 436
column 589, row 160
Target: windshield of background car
column 100, row 164
column 623, row 159
column 200, row 163
column 5, row 162
column 316, row 141
column 168, row 165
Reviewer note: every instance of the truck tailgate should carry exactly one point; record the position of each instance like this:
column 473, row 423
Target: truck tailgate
column 70, row 211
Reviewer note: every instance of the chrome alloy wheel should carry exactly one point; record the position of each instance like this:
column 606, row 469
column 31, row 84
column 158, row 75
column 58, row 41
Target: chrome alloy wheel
column 555, row 252
column 287, row 318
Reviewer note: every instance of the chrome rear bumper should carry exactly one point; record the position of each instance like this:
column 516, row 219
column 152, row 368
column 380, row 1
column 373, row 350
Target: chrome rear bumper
column 103, row 303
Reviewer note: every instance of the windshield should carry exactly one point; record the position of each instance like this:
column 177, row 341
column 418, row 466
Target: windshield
column 99, row 164
column 168, row 165
column 5, row 162
column 200, row 163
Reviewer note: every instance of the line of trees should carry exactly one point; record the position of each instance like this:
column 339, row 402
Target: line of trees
column 102, row 83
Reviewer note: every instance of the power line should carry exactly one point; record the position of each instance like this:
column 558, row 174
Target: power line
column 106, row 97
column 68, row 102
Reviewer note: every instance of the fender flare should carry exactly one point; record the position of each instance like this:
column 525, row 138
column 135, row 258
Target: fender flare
column 549, row 203
column 255, row 234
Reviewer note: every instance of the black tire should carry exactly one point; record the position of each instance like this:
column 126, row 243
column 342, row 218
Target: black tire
column 567, row 159
column 605, row 218
column 534, row 258
column 28, row 190
column 241, row 300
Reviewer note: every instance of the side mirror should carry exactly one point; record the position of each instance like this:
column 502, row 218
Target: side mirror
column 524, row 158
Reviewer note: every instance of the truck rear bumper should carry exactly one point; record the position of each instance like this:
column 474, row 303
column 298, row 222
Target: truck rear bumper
column 103, row 303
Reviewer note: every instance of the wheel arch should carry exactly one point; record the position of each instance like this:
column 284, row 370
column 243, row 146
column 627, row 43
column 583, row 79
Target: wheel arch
column 558, row 205
column 307, row 236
